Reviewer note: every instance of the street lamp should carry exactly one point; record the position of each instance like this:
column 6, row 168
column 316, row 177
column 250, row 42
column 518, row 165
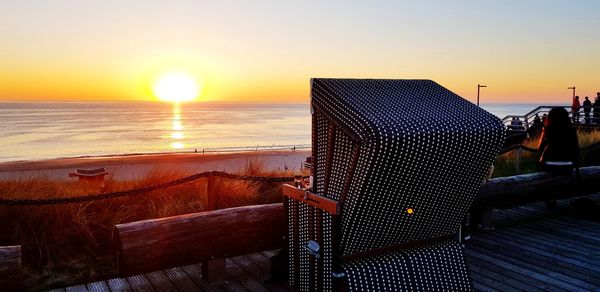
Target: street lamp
column 572, row 87
column 478, row 87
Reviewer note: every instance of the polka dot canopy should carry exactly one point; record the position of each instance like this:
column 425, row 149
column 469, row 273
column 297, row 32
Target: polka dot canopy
column 405, row 159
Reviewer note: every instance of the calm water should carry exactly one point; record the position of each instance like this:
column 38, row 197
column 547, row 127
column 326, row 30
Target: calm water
column 34, row 131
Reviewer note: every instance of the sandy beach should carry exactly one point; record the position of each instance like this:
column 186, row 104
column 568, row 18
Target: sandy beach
column 129, row 167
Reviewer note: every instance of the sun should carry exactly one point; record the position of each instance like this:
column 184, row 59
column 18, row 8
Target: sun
column 176, row 87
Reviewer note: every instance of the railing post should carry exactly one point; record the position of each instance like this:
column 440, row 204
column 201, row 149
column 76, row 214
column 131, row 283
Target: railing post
column 213, row 271
column 214, row 186
column 518, row 152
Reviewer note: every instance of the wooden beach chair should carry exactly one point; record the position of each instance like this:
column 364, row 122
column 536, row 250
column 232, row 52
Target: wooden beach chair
column 396, row 165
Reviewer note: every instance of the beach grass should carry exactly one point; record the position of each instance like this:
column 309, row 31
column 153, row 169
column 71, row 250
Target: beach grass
column 505, row 163
column 65, row 244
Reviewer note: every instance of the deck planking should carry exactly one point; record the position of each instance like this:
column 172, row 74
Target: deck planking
column 530, row 248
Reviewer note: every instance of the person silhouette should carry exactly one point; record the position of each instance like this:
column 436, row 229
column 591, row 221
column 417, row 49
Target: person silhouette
column 575, row 109
column 536, row 126
column 596, row 114
column 587, row 108
column 559, row 145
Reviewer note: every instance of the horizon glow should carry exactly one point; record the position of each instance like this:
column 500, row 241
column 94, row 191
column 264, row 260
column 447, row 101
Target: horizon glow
column 266, row 51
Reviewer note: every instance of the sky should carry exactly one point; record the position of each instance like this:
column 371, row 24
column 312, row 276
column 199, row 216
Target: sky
column 267, row 51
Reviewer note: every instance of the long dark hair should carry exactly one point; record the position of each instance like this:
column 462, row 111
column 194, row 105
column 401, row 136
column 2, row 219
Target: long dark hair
column 558, row 117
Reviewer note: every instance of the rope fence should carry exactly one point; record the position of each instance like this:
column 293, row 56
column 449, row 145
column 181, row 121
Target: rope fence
column 160, row 186
column 138, row 191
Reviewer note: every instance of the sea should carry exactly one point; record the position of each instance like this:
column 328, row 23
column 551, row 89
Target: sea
column 47, row 130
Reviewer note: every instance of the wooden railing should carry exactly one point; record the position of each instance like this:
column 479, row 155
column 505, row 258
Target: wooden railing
column 209, row 236
column 528, row 118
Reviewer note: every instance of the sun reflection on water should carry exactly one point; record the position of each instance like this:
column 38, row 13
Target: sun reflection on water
column 177, row 133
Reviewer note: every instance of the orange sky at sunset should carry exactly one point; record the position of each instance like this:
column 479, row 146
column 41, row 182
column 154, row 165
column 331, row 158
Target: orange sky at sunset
column 266, row 51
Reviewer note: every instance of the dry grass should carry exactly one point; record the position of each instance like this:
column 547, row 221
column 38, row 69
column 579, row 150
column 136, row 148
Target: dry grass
column 71, row 243
column 505, row 163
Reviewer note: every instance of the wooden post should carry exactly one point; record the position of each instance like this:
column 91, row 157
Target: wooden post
column 518, row 152
column 214, row 187
column 486, row 220
column 213, row 270
column 10, row 268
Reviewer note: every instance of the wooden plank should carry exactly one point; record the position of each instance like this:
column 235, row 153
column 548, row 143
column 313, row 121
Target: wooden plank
column 581, row 224
column 544, row 241
column 585, row 272
column 478, row 286
column 78, row 288
column 277, row 287
column 259, row 273
column 261, row 261
column 546, row 246
column 118, row 284
column 213, row 271
column 231, row 284
column 511, row 261
column 251, row 267
column 195, row 274
column 482, row 278
column 512, row 278
column 10, row 268
column 587, row 225
column 160, row 281
column 562, row 229
column 245, row 279
column 181, row 280
column 99, row 286
column 139, row 283
column 498, row 260
column 326, row 204
column 553, row 235
column 561, row 244
column 548, row 227
column 157, row 244
column 271, row 253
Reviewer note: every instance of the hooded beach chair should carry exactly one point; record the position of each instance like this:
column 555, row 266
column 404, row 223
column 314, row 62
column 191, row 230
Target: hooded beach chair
column 396, row 165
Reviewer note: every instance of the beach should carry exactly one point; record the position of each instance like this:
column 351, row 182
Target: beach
column 131, row 167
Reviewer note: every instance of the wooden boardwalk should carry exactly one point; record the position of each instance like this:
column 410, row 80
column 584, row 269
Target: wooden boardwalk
column 531, row 248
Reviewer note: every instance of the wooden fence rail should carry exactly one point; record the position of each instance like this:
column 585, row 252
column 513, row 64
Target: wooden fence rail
column 156, row 244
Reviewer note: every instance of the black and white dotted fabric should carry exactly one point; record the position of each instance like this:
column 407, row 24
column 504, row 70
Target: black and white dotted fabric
column 438, row 266
column 422, row 154
column 423, row 148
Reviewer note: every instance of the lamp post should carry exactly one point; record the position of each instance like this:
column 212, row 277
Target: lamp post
column 572, row 87
column 479, row 86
